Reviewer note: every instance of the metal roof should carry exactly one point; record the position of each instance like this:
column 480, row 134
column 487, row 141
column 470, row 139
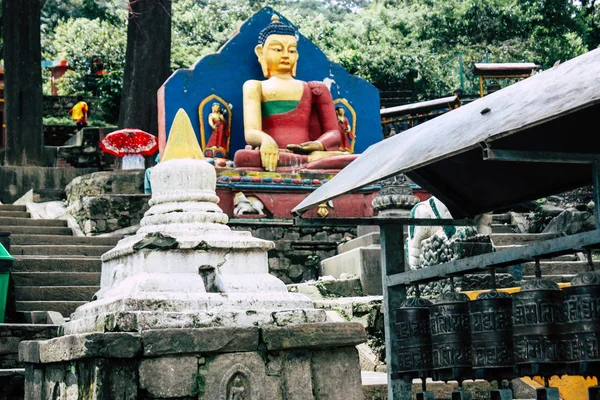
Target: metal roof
column 503, row 68
column 557, row 110
column 421, row 106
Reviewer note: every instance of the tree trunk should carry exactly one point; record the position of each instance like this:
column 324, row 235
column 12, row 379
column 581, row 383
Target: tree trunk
column 23, row 82
column 147, row 63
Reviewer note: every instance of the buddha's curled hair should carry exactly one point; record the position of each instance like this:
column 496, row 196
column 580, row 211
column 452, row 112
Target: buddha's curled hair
column 276, row 27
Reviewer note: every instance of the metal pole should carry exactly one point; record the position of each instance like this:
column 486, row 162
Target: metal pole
column 392, row 262
column 480, row 85
column 596, row 183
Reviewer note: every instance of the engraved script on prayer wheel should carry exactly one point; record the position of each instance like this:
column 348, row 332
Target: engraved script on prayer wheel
column 491, row 336
column 414, row 338
column 580, row 344
column 537, row 324
column 451, row 337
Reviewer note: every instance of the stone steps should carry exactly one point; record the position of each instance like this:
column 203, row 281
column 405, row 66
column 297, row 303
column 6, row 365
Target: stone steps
column 503, row 218
column 12, row 334
column 12, row 382
column 65, row 308
column 375, row 387
column 56, row 278
column 363, row 262
column 55, row 293
column 53, row 270
column 37, row 230
column 74, row 250
column 16, row 240
column 564, row 257
column 12, row 207
column 361, row 241
column 41, row 264
column 11, row 370
column 12, row 221
column 504, row 228
column 14, row 214
column 562, row 278
column 558, row 267
column 511, row 239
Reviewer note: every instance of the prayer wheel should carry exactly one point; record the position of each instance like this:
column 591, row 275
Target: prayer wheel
column 491, row 336
column 414, row 338
column 537, row 314
column 451, row 337
column 581, row 336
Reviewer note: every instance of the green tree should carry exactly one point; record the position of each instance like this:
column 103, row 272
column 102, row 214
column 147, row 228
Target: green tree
column 82, row 41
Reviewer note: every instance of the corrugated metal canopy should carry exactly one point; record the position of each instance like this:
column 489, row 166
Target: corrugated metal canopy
column 557, row 110
column 421, row 106
column 503, row 68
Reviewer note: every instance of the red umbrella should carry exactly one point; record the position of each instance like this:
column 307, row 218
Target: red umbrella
column 129, row 141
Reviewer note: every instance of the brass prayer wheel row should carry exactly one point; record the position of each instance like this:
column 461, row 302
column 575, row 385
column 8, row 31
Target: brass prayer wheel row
column 540, row 330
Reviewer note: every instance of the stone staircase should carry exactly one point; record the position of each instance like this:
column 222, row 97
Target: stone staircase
column 361, row 256
column 12, row 373
column 560, row 269
column 53, row 270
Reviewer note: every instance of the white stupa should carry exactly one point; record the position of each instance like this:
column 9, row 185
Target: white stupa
column 185, row 267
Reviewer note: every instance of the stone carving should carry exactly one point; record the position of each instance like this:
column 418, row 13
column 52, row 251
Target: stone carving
column 431, row 245
column 586, row 278
column 395, row 196
column 238, row 388
column 432, row 208
column 247, row 204
column 416, row 302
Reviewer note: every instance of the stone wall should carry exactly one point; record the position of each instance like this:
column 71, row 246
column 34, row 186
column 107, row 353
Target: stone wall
column 104, row 202
column 47, row 183
column 298, row 250
column 303, row 361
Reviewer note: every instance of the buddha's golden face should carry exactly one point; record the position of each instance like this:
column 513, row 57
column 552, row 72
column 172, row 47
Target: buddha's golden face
column 279, row 54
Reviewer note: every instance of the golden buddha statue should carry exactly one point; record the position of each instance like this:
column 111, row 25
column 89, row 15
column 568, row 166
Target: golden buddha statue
column 288, row 123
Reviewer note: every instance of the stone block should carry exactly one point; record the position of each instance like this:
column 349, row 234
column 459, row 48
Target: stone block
column 366, row 229
column 73, row 347
column 207, row 340
column 314, row 335
column 169, row 376
column 291, row 236
column 329, row 364
column 364, row 262
column 237, row 375
column 320, row 237
column 9, row 345
column 29, row 351
column 340, row 288
column 298, row 375
column 122, row 380
column 361, row 241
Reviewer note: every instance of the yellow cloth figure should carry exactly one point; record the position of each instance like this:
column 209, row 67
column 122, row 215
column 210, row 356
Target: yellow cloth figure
column 79, row 112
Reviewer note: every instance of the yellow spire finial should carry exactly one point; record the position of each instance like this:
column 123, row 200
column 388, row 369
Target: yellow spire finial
column 182, row 142
column 275, row 18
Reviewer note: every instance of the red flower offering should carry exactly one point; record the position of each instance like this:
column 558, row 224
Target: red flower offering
column 129, row 141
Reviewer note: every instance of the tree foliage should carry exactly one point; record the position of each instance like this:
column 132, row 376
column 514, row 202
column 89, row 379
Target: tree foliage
column 395, row 44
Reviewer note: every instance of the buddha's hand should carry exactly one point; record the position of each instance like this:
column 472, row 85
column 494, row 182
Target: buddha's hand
column 269, row 154
column 306, row 147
